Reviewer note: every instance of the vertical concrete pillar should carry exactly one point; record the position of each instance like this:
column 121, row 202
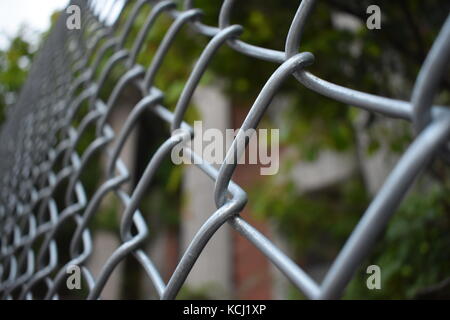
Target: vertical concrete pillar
column 213, row 270
column 105, row 242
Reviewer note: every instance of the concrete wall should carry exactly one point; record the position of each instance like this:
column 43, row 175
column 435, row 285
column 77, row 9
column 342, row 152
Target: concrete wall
column 212, row 271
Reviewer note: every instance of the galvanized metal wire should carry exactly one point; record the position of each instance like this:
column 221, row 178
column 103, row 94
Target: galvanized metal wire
column 38, row 147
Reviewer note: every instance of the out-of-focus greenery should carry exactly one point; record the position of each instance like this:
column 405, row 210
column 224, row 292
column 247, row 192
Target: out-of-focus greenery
column 413, row 256
column 14, row 63
column 315, row 223
column 384, row 62
column 414, row 253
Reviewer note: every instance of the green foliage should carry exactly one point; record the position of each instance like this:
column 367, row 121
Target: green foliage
column 413, row 254
column 14, row 63
column 187, row 293
column 162, row 204
column 315, row 222
column 108, row 215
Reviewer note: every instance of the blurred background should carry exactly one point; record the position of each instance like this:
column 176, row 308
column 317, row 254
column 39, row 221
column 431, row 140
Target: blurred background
column 333, row 160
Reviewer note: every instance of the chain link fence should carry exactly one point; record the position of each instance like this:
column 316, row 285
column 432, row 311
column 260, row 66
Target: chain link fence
column 39, row 141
